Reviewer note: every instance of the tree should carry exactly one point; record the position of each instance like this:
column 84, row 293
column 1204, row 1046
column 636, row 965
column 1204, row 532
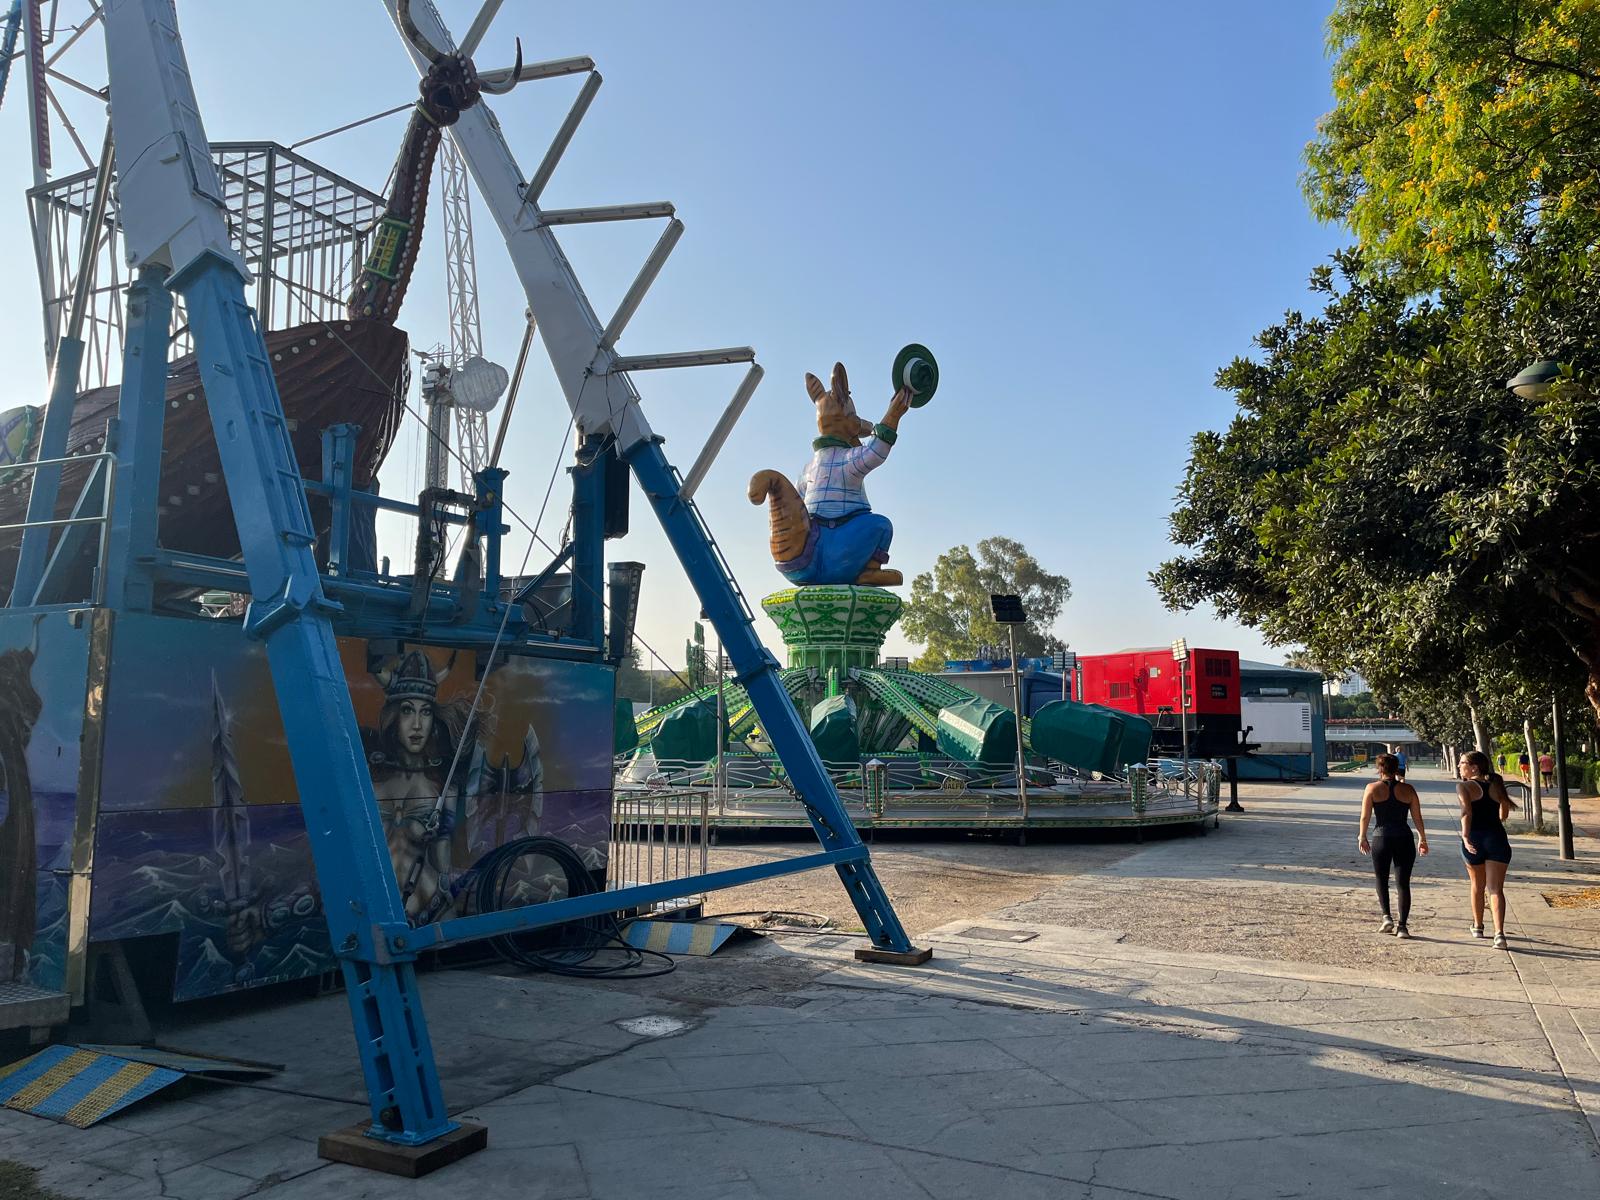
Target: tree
column 1362, row 704
column 1382, row 499
column 949, row 606
column 648, row 686
column 1458, row 126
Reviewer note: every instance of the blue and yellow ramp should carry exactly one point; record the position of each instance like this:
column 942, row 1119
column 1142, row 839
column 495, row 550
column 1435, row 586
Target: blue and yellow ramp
column 77, row 1086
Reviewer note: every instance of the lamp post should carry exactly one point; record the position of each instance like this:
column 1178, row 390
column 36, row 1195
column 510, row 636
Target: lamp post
column 1533, row 383
column 1180, row 655
column 1563, row 801
column 1007, row 611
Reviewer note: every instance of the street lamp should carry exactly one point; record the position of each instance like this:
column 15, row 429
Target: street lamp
column 1007, row 611
column 1534, row 380
column 1532, row 383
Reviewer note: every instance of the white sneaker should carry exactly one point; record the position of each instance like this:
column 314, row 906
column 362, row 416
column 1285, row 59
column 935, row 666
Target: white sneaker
column 1387, row 926
column 1500, row 942
column 1400, row 931
column 1477, row 931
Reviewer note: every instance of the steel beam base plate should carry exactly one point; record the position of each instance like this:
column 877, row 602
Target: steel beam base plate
column 898, row 958
column 352, row 1145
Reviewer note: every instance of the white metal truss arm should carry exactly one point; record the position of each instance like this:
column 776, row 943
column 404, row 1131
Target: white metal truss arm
column 170, row 198
column 602, row 400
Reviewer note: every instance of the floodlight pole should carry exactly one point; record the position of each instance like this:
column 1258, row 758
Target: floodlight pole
column 1183, row 718
column 1016, row 695
column 1180, row 651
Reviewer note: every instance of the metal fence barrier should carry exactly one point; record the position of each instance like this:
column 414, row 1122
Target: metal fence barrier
column 658, row 836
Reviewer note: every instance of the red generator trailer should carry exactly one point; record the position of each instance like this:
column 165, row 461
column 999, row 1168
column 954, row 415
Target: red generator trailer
column 1146, row 681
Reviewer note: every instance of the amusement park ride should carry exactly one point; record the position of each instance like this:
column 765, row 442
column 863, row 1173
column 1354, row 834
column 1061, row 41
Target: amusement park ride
column 301, row 778
column 114, row 611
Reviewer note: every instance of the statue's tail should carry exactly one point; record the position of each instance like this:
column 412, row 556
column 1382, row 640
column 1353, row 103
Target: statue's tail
column 791, row 523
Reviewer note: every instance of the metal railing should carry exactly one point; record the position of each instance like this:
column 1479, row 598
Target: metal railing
column 658, row 836
column 888, row 787
column 103, row 519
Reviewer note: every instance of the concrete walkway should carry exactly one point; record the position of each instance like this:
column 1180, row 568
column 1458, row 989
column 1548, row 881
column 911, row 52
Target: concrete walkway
column 1209, row 1017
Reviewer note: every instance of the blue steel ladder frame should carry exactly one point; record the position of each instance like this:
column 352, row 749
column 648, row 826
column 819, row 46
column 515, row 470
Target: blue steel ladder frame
column 290, row 614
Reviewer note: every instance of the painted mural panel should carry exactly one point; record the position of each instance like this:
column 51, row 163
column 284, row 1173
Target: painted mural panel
column 43, row 673
column 201, row 834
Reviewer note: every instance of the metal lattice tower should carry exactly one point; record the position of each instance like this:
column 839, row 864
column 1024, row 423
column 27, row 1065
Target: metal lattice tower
column 461, row 287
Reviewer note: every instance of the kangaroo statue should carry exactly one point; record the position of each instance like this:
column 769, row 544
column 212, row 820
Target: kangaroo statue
column 824, row 530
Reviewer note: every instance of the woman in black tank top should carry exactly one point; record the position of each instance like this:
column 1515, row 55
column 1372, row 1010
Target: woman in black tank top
column 1485, row 846
column 1386, row 805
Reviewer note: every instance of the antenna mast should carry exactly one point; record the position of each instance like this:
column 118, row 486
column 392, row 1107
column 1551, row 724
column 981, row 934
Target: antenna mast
column 461, row 289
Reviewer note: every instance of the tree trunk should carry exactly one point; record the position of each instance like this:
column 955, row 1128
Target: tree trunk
column 1480, row 732
column 1535, row 812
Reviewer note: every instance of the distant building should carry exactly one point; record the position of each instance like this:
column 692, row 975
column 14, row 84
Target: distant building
column 1353, row 685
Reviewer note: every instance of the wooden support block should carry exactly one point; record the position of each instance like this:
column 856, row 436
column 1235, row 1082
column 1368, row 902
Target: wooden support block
column 908, row 958
column 352, row 1145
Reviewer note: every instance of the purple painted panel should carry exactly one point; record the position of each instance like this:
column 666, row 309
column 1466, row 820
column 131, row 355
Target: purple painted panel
column 200, row 834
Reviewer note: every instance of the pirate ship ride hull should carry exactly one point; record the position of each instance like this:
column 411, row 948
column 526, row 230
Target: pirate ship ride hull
column 350, row 371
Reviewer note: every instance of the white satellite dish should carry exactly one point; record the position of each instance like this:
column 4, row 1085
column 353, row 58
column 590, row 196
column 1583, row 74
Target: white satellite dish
column 478, row 384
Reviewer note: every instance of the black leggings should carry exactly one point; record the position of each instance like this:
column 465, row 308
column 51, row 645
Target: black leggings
column 1398, row 849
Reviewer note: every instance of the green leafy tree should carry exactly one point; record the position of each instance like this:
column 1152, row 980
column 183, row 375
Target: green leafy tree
column 1362, row 704
column 1458, row 125
column 648, row 685
column 949, row 606
column 1383, row 500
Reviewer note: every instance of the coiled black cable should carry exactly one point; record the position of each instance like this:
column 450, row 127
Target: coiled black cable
column 568, row 949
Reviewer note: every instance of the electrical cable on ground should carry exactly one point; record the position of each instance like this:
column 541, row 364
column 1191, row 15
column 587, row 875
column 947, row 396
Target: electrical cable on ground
column 569, row 949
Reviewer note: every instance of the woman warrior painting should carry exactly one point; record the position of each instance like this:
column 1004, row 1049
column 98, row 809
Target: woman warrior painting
column 433, row 836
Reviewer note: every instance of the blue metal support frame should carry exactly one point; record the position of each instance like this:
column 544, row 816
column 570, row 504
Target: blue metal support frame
column 290, row 614
column 491, row 518
column 173, row 213
column 588, row 540
column 758, row 671
column 338, row 475
column 141, row 421
column 47, row 479
column 558, row 912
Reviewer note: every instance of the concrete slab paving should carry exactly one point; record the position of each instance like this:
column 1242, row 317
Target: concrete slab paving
column 1205, row 1017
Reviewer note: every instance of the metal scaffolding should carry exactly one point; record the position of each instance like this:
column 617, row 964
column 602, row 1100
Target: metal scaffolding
column 301, row 229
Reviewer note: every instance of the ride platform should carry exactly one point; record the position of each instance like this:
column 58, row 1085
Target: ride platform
column 991, row 809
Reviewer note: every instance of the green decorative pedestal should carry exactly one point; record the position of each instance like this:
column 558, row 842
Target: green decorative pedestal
column 833, row 625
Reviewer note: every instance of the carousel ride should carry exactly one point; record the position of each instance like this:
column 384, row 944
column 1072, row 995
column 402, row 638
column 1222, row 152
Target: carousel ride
column 905, row 748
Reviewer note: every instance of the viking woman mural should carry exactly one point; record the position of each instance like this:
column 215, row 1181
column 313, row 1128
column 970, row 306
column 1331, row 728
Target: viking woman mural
column 19, row 710
column 434, row 832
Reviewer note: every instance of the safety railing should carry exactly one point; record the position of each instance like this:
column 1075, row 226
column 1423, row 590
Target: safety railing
column 108, row 464
column 658, row 836
column 898, row 788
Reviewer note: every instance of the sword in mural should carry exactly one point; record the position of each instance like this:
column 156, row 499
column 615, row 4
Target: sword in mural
column 230, row 818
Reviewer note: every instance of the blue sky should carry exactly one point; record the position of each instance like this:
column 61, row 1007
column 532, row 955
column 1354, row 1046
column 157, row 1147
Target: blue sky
column 1084, row 210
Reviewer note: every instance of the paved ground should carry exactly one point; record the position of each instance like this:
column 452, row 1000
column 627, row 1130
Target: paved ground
column 1203, row 1018
column 933, row 879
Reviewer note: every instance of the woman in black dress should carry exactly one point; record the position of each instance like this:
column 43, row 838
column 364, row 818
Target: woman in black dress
column 1484, row 843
